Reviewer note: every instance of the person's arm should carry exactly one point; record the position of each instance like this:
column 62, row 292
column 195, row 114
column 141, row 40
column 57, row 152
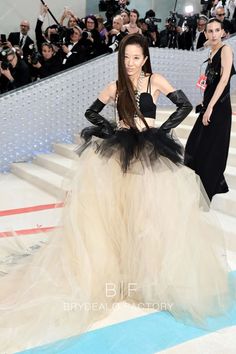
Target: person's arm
column 226, row 65
column 103, row 128
column 183, row 104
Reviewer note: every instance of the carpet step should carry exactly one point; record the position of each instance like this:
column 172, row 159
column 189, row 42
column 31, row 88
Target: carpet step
column 48, row 181
column 225, row 203
column 66, row 150
column 228, row 224
column 54, row 162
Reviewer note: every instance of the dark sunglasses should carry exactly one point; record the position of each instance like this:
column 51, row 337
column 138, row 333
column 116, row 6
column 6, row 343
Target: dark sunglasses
column 221, row 15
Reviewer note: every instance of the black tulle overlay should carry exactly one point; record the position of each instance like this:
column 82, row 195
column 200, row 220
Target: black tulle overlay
column 131, row 145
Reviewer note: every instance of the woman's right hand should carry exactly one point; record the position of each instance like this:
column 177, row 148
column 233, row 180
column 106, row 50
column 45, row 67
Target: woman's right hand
column 206, row 116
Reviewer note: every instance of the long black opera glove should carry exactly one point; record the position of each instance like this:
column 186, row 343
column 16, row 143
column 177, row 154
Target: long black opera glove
column 184, row 107
column 103, row 128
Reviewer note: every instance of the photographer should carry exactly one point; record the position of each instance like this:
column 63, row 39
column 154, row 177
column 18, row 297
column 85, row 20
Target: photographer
column 91, row 38
column 47, row 64
column 112, row 7
column 51, row 30
column 150, row 29
column 73, row 20
column 116, row 34
column 14, row 70
column 22, row 38
column 152, row 37
column 73, row 51
column 199, row 33
column 169, row 36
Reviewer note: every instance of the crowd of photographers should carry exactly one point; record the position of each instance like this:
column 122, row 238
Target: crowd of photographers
column 73, row 40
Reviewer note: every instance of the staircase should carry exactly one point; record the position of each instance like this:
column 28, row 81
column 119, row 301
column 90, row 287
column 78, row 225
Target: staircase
column 50, row 171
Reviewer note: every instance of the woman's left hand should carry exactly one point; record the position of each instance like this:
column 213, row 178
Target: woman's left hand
column 206, row 116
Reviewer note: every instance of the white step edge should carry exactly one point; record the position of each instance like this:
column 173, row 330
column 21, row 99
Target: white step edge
column 41, row 177
column 54, row 162
column 66, row 150
column 225, row 203
column 228, row 224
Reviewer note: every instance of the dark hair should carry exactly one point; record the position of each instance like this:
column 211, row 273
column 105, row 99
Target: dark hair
column 126, row 103
column 213, row 19
column 47, row 44
column 150, row 13
column 92, row 18
column 126, row 11
column 136, row 12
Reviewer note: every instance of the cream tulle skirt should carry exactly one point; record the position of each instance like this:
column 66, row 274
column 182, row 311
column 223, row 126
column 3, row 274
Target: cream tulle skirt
column 145, row 236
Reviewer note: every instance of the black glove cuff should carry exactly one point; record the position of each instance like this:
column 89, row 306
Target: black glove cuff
column 178, row 97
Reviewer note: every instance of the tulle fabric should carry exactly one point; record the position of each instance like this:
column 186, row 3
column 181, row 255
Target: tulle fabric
column 145, row 236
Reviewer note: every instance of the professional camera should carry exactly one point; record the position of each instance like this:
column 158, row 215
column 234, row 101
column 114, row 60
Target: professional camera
column 35, row 56
column 114, row 46
column 61, row 36
column 4, row 52
column 188, row 22
column 152, row 23
column 86, row 34
column 172, row 20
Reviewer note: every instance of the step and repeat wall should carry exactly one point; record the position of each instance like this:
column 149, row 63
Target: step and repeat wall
column 52, row 110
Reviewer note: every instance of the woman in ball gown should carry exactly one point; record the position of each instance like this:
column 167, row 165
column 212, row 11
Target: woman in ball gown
column 135, row 225
column 208, row 143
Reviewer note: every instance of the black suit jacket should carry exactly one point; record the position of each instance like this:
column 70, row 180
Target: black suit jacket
column 201, row 40
column 78, row 56
column 14, row 38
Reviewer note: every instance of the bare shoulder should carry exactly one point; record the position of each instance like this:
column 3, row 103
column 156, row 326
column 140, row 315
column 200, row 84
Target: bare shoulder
column 227, row 50
column 156, row 78
column 160, row 83
column 108, row 93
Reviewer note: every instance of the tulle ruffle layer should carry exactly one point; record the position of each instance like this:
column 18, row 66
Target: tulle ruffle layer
column 130, row 145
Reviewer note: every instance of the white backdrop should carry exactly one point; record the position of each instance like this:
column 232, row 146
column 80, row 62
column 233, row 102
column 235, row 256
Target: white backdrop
column 13, row 11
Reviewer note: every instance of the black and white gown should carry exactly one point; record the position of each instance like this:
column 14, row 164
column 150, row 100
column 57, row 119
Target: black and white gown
column 135, row 215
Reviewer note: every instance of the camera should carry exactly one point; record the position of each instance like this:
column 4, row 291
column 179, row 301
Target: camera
column 172, row 20
column 35, row 56
column 152, row 23
column 61, row 36
column 5, row 51
column 86, row 34
column 114, row 46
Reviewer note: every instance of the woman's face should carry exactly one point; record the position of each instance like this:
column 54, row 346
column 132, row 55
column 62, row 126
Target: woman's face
column 117, row 24
column 75, row 37
column 72, row 22
column 90, row 24
column 125, row 17
column 133, row 17
column 134, row 60
column 214, row 33
column 47, row 52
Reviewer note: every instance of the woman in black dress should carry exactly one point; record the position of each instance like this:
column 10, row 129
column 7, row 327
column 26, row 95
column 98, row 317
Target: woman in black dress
column 208, row 144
